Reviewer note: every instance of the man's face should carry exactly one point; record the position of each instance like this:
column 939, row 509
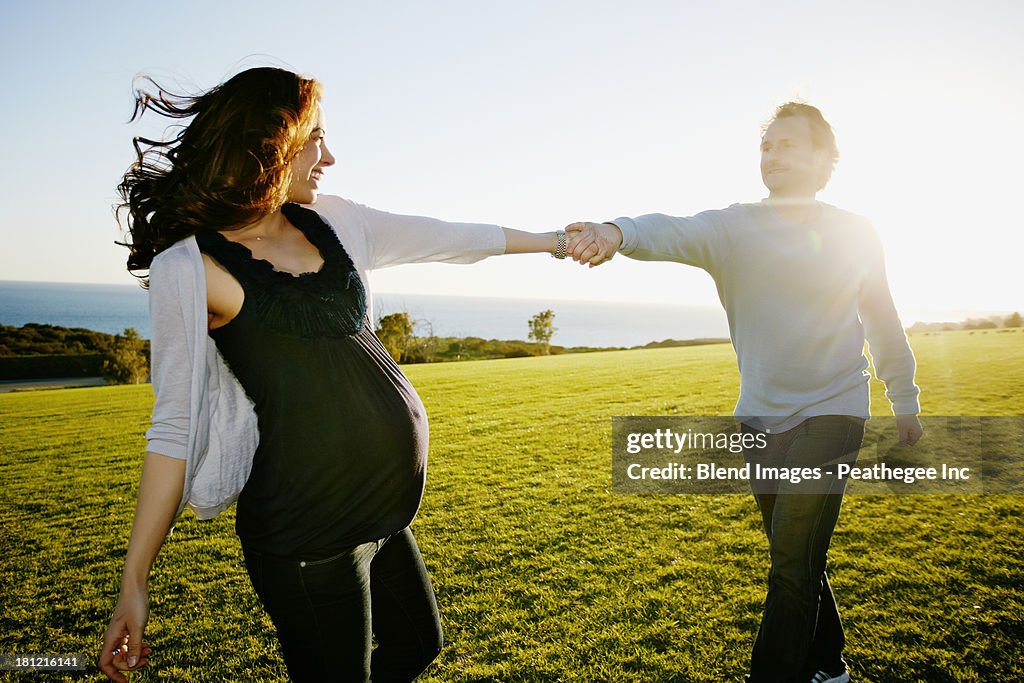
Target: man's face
column 790, row 164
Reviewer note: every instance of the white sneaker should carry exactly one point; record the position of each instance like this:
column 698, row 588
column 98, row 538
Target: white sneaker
column 822, row 677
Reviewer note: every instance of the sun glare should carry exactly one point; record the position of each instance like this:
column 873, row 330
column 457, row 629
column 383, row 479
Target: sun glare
column 935, row 182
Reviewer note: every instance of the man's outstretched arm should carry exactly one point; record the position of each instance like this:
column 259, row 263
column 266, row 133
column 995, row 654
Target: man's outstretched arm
column 693, row 240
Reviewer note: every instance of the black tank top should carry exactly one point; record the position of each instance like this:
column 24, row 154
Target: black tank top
column 343, row 435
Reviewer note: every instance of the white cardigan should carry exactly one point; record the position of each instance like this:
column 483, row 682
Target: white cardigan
column 201, row 414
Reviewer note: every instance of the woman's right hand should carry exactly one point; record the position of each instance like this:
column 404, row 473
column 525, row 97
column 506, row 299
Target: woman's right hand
column 160, row 490
column 123, row 647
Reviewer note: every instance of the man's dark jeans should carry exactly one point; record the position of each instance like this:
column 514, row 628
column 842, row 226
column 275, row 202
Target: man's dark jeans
column 800, row 630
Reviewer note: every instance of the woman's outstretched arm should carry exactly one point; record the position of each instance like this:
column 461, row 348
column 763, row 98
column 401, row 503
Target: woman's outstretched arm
column 378, row 239
column 160, row 491
column 519, row 242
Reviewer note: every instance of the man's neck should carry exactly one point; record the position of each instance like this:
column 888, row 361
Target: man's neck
column 795, row 208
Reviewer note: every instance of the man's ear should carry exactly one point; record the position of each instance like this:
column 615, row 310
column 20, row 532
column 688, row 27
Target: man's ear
column 823, row 166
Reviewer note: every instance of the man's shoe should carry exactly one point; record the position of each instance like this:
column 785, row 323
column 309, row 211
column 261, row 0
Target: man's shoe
column 824, row 677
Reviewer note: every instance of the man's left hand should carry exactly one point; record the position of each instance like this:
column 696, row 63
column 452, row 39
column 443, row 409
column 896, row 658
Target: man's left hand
column 910, row 429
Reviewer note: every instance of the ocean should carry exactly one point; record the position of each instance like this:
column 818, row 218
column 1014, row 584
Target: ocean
column 112, row 308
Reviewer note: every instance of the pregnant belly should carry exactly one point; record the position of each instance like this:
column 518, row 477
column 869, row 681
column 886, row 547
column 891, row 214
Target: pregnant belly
column 342, row 455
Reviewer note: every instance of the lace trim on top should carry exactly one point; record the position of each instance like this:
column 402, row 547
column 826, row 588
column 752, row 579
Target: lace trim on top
column 330, row 302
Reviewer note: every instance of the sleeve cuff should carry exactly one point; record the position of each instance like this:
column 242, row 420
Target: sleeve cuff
column 471, row 243
column 629, row 234
column 906, row 407
column 168, row 448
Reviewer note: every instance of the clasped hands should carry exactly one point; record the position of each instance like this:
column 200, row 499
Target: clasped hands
column 592, row 243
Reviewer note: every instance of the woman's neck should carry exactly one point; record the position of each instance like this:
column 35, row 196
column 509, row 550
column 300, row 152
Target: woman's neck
column 265, row 228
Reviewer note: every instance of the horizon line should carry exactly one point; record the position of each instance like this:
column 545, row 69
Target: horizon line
column 930, row 310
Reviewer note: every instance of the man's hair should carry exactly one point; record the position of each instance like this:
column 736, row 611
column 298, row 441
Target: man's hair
column 822, row 136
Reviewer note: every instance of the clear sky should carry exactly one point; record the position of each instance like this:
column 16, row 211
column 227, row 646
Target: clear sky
column 536, row 114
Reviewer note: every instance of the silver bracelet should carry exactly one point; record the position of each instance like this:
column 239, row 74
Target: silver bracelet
column 563, row 245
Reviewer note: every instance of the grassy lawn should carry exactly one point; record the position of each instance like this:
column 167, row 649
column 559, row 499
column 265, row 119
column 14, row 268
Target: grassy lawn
column 542, row 574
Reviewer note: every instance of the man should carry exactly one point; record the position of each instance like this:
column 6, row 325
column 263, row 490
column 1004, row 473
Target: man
column 803, row 284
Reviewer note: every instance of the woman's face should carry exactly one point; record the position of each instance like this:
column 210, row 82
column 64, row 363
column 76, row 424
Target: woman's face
column 308, row 165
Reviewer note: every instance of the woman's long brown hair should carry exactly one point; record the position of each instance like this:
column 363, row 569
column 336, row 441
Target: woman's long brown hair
column 227, row 168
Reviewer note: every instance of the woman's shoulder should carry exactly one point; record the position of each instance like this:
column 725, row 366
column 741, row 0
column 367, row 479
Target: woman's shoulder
column 180, row 260
column 348, row 219
column 330, row 200
column 337, row 211
column 182, row 250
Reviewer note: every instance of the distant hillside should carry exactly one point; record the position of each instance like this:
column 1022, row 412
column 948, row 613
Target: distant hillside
column 990, row 323
column 37, row 339
column 37, row 351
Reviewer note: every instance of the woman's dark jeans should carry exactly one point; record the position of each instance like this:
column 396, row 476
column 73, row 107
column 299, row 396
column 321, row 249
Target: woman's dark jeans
column 800, row 630
column 326, row 611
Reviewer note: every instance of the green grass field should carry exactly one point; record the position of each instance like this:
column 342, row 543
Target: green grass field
column 542, row 574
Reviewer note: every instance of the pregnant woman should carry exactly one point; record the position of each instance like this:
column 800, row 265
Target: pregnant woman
column 271, row 385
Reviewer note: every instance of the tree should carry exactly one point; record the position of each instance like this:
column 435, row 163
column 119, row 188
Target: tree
column 542, row 329
column 126, row 362
column 395, row 333
column 1013, row 320
column 422, row 348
